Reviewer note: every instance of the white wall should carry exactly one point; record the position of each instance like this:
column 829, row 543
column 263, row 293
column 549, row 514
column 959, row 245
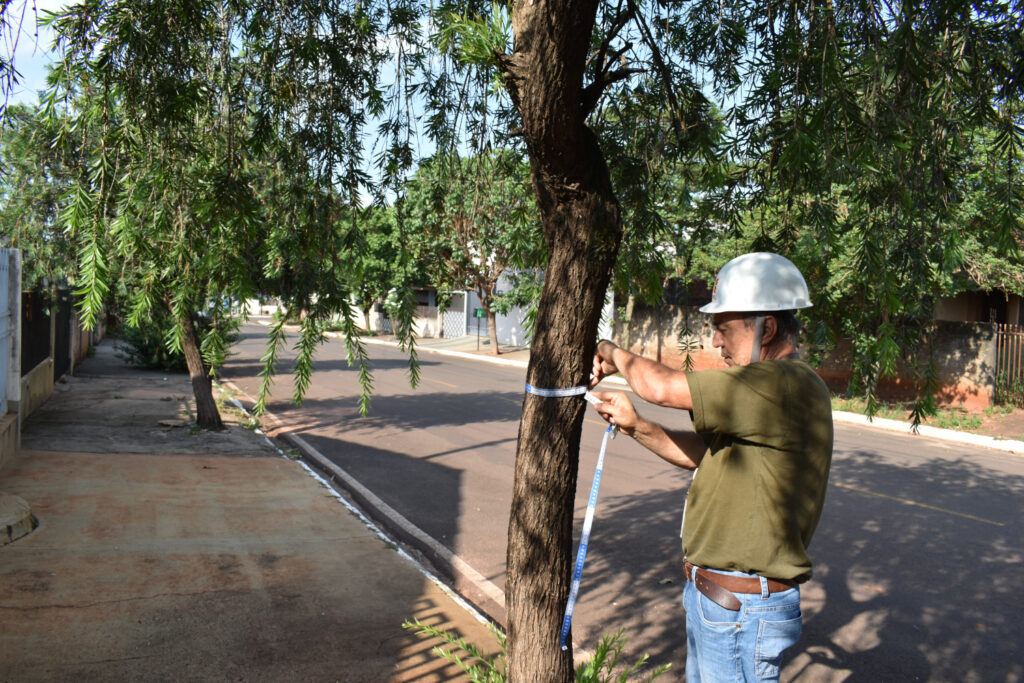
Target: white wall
column 509, row 327
column 253, row 307
column 511, row 331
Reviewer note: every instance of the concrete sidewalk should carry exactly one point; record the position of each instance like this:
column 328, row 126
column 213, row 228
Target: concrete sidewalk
column 167, row 555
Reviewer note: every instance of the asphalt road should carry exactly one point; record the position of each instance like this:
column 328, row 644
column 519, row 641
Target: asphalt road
column 917, row 556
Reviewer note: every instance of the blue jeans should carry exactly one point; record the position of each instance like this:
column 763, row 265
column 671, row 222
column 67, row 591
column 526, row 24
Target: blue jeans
column 739, row 645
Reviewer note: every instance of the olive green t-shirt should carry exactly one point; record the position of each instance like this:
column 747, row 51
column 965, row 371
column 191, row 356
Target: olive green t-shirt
column 757, row 495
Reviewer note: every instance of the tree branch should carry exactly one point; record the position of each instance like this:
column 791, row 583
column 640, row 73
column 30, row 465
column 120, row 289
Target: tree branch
column 612, row 34
column 659, row 62
column 592, row 93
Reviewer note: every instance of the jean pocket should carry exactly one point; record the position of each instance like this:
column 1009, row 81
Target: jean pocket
column 773, row 638
column 713, row 614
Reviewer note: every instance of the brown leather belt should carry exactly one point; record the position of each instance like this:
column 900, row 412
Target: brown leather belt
column 720, row 587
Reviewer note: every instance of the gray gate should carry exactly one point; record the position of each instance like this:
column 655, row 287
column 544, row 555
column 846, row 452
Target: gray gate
column 454, row 319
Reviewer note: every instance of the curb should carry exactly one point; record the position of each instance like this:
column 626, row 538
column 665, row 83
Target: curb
column 481, row 597
column 16, row 518
column 510, row 362
column 907, row 428
column 485, row 595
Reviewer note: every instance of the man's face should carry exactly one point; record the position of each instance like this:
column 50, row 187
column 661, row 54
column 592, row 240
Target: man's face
column 734, row 338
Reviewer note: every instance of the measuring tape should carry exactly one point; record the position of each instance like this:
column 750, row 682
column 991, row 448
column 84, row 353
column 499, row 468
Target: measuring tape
column 588, row 519
column 581, row 553
column 558, row 393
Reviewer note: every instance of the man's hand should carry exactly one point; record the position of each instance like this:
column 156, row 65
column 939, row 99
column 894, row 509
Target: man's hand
column 616, row 408
column 682, row 449
column 603, row 364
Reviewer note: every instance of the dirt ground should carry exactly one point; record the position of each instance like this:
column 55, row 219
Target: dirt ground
column 1008, row 426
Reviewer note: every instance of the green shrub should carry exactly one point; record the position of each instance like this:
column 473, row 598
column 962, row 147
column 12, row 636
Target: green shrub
column 147, row 347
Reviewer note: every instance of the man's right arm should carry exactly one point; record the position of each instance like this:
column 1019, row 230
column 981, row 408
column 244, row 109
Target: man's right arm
column 652, row 381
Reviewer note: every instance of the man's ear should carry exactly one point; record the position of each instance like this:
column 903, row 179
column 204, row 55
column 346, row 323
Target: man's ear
column 771, row 329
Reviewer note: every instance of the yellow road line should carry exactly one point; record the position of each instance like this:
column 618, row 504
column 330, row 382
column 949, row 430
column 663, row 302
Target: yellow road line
column 906, row 501
column 428, row 379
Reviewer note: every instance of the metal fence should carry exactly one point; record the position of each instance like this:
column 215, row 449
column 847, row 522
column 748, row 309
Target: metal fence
column 1009, row 353
column 35, row 330
column 6, row 331
column 62, row 334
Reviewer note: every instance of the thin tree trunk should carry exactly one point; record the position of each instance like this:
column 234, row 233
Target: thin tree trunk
column 207, row 415
column 583, row 228
column 627, row 328
column 492, row 332
column 484, row 294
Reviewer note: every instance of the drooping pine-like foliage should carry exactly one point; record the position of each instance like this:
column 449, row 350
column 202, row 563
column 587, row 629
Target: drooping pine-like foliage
column 224, row 144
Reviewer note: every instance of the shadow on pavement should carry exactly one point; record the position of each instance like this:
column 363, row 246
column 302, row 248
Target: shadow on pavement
column 938, row 611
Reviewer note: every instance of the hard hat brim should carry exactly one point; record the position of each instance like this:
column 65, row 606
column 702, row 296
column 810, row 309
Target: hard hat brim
column 722, row 308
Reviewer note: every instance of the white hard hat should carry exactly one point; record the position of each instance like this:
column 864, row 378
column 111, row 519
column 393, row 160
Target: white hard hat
column 759, row 281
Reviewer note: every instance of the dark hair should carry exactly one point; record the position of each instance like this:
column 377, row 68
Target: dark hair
column 788, row 325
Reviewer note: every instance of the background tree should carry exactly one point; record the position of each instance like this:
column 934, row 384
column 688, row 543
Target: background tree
column 667, row 192
column 228, row 153
column 471, row 219
column 36, row 176
column 374, row 249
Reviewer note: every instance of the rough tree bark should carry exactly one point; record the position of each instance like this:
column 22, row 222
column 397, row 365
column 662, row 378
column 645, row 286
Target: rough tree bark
column 207, row 415
column 582, row 226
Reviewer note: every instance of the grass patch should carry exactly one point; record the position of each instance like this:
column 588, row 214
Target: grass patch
column 961, row 421
column 889, row 411
column 997, row 410
column 950, row 417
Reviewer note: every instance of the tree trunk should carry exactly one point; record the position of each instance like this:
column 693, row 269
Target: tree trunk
column 582, row 226
column 483, row 292
column 492, row 332
column 627, row 328
column 207, row 415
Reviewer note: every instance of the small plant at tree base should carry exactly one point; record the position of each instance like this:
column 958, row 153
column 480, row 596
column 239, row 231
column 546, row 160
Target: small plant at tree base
column 477, row 666
column 603, row 667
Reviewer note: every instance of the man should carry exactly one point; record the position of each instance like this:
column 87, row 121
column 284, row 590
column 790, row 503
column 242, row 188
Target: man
column 761, row 448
